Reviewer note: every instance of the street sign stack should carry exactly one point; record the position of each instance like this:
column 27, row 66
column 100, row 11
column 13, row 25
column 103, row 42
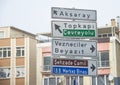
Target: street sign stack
column 76, row 67
column 71, row 38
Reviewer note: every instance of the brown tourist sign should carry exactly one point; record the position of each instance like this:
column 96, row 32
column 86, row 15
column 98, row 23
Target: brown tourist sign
column 70, row 62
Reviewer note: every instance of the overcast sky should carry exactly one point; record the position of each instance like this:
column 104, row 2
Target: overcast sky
column 35, row 15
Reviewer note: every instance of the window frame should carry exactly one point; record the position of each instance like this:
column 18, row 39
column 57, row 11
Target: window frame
column 3, row 35
column 6, row 50
column 7, row 72
column 23, row 71
column 74, row 80
column 96, row 80
column 49, row 65
column 105, row 62
column 104, row 35
column 57, row 81
column 20, row 50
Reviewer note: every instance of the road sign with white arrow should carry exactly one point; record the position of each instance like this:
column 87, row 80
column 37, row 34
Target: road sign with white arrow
column 63, row 66
column 76, row 29
column 74, row 47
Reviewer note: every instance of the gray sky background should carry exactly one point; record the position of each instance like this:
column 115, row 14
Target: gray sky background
column 35, row 15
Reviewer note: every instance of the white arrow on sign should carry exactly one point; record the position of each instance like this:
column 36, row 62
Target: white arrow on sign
column 74, row 29
column 74, row 47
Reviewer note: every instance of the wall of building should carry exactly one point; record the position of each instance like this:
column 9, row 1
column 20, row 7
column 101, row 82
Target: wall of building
column 87, row 80
column 5, row 82
column 103, row 46
column 20, row 61
column 6, row 31
column 118, row 57
column 43, row 49
column 113, row 59
column 104, row 30
column 11, row 32
column 117, row 78
column 5, row 42
column 5, row 62
column 27, row 62
column 14, row 32
column 39, row 64
column 32, row 62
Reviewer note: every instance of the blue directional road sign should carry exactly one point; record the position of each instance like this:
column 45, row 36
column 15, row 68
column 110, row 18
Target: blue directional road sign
column 70, row 70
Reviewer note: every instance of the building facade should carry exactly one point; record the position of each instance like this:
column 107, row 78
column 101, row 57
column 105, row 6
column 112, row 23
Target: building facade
column 108, row 55
column 27, row 61
column 17, row 57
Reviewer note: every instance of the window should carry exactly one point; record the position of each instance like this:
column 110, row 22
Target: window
column 58, row 81
column 107, row 80
column 20, row 72
column 93, row 80
column 20, row 51
column 74, row 80
column 109, row 35
column 47, row 63
column 5, row 52
column 103, row 80
column 0, row 52
column 67, row 81
column 1, row 34
column 45, row 81
column 103, row 59
column 99, row 35
column 104, row 35
column 4, row 73
column 52, row 81
column 100, row 80
column 81, row 80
